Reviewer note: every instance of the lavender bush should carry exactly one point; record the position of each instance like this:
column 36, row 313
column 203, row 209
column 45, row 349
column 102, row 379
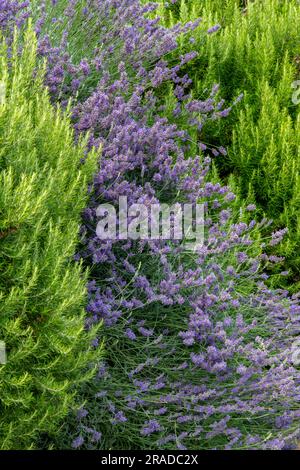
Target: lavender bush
column 199, row 350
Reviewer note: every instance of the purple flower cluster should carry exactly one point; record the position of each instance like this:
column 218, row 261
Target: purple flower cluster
column 199, row 349
column 13, row 12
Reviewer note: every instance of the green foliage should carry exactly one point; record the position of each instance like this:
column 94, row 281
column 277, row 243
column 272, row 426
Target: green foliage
column 42, row 290
column 254, row 53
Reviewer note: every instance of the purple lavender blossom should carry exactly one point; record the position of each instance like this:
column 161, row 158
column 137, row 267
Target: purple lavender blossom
column 213, row 29
column 150, row 427
column 78, row 442
column 82, row 413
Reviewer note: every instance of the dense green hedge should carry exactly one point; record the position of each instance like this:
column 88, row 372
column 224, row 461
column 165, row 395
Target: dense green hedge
column 42, row 291
column 256, row 52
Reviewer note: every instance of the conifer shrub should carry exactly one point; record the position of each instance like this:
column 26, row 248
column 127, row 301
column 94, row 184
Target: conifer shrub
column 42, row 290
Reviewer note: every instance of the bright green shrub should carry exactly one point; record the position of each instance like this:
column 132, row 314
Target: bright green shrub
column 42, row 290
column 254, row 53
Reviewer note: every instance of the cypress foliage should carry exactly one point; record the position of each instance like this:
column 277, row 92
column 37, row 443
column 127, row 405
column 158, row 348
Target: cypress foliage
column 42, row 290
